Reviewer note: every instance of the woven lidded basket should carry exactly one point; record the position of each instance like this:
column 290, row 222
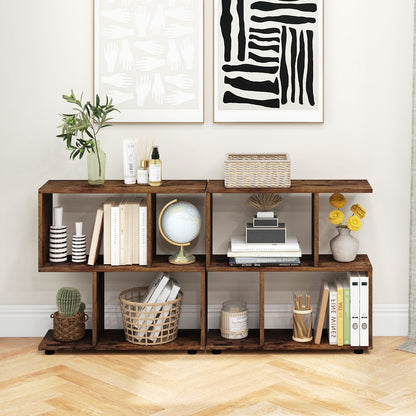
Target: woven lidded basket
column 262, row 170
column 69, row 328
column 149, row 323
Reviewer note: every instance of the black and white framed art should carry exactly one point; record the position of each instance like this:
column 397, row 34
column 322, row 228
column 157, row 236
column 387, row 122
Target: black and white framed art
column 268, row 60
column 149, row 57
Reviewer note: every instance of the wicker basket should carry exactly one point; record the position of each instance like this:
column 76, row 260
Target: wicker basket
column 261, row 170
column 149, row 323
column 69, row 328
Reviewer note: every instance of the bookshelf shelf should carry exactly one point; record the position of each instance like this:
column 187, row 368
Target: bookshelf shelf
column 261, row 339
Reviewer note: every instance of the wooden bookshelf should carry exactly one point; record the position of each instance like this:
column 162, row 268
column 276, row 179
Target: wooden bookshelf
column 102, row 339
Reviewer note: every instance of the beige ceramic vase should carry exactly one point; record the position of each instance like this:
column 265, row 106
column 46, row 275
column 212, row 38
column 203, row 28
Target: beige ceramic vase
column 344, row 246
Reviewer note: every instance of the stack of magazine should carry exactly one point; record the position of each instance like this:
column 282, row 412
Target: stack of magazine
column 265, row 244
column 162, row 288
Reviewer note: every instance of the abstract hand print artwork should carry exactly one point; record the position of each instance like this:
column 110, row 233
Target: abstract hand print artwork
column 148, row 57
column 268, row 60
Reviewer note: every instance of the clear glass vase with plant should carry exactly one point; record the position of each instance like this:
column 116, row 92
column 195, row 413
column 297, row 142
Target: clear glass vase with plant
column 80, row 129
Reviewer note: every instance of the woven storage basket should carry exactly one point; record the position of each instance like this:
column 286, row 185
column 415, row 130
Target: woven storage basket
column 261, row 170
column 149, row 323
column 69, row 328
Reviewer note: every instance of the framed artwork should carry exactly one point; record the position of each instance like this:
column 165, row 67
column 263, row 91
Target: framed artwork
column 149, row 58
column 268, row 60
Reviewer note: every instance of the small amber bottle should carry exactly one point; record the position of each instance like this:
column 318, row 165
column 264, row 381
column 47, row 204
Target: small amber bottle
column 155, row 168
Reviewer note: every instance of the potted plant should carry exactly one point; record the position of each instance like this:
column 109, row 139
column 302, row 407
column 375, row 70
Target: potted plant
column 80, row 129
column 344, row 246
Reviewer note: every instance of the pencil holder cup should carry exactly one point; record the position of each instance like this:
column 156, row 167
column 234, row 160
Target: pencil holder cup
column 302, row 325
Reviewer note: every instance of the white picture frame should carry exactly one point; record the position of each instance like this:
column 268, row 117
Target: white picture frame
column 149, row 58
column 255, row 36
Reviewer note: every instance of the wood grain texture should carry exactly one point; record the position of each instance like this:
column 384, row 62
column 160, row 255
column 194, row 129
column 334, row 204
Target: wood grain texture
column 299, row 186
column 379, row 383
column 119, row 187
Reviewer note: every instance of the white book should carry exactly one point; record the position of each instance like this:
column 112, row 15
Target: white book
column 238, row 244
column 107, row 229
column 354, row 281
column 129, row 232
column 115, row 235
column 364, row 312
column 156, row 287
column 143, row 233
column 165, row 314
column 96, row 237
column 136, row 230
column 332, row 314
column 295, row 253
column 123, row 230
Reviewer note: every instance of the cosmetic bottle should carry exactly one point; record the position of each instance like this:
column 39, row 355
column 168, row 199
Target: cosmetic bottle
column 143, row 173
column 155, row 168
column 129, row 161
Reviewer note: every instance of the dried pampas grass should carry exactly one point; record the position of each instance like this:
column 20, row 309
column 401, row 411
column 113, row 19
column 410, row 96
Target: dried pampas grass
column 264, row 201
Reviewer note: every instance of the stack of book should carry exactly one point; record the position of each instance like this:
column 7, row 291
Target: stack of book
column 265, row 244
column 345, row 303
column 162, row 288
column 122, row 224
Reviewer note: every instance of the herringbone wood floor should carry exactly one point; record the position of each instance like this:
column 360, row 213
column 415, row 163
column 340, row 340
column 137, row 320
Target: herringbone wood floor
column 381, row 382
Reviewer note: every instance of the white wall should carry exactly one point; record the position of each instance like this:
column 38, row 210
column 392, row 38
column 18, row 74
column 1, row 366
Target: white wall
column 46, row 49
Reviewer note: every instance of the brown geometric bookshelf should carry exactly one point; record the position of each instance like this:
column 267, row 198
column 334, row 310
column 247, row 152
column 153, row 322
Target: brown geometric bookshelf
column 102, row 339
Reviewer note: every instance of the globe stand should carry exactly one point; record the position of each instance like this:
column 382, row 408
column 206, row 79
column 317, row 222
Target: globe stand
column 182, row 257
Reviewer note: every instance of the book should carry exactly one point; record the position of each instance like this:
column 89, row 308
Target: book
column 364, row 338
column 240, row 260
column 332, row 314
column 123, row 231
column 354, row 281
column 296, row 253
column 107, row 229
column 340, row 312
column 143, row 232
column 96, row 236
column 347, row 312
column 171, row 293
column 238, row 244
column 248, row 262
column 321, row 311
column 155, row 288
column 129, row 233
column 115, row 235
column 136, row 230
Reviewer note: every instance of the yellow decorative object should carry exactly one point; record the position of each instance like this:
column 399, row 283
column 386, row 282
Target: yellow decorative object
column 358, row 210
column 337, row 200
column 336, row 217
column 353, row 223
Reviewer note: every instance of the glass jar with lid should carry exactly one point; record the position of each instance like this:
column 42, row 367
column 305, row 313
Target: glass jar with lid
column 234, row 320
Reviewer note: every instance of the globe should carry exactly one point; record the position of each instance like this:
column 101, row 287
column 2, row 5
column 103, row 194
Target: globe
column 179, row 224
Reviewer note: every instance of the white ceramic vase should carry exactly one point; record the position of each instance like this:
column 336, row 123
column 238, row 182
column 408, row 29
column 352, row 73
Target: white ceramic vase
column 344, row 246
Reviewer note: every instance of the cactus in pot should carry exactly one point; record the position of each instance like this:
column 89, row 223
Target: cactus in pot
column 68, row 300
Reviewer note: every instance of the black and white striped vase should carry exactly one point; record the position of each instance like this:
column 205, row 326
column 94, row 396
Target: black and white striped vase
column 79, row 245
column 57, row 238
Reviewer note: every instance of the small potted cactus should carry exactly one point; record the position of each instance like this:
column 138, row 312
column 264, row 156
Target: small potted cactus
column 69, row 320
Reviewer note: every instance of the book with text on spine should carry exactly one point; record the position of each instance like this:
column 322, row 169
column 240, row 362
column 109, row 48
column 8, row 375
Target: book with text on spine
column 340, row 312
column 332, row 314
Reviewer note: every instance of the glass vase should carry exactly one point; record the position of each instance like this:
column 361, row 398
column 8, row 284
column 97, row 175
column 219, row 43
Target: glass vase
column 344, row 246
column 96, row 166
